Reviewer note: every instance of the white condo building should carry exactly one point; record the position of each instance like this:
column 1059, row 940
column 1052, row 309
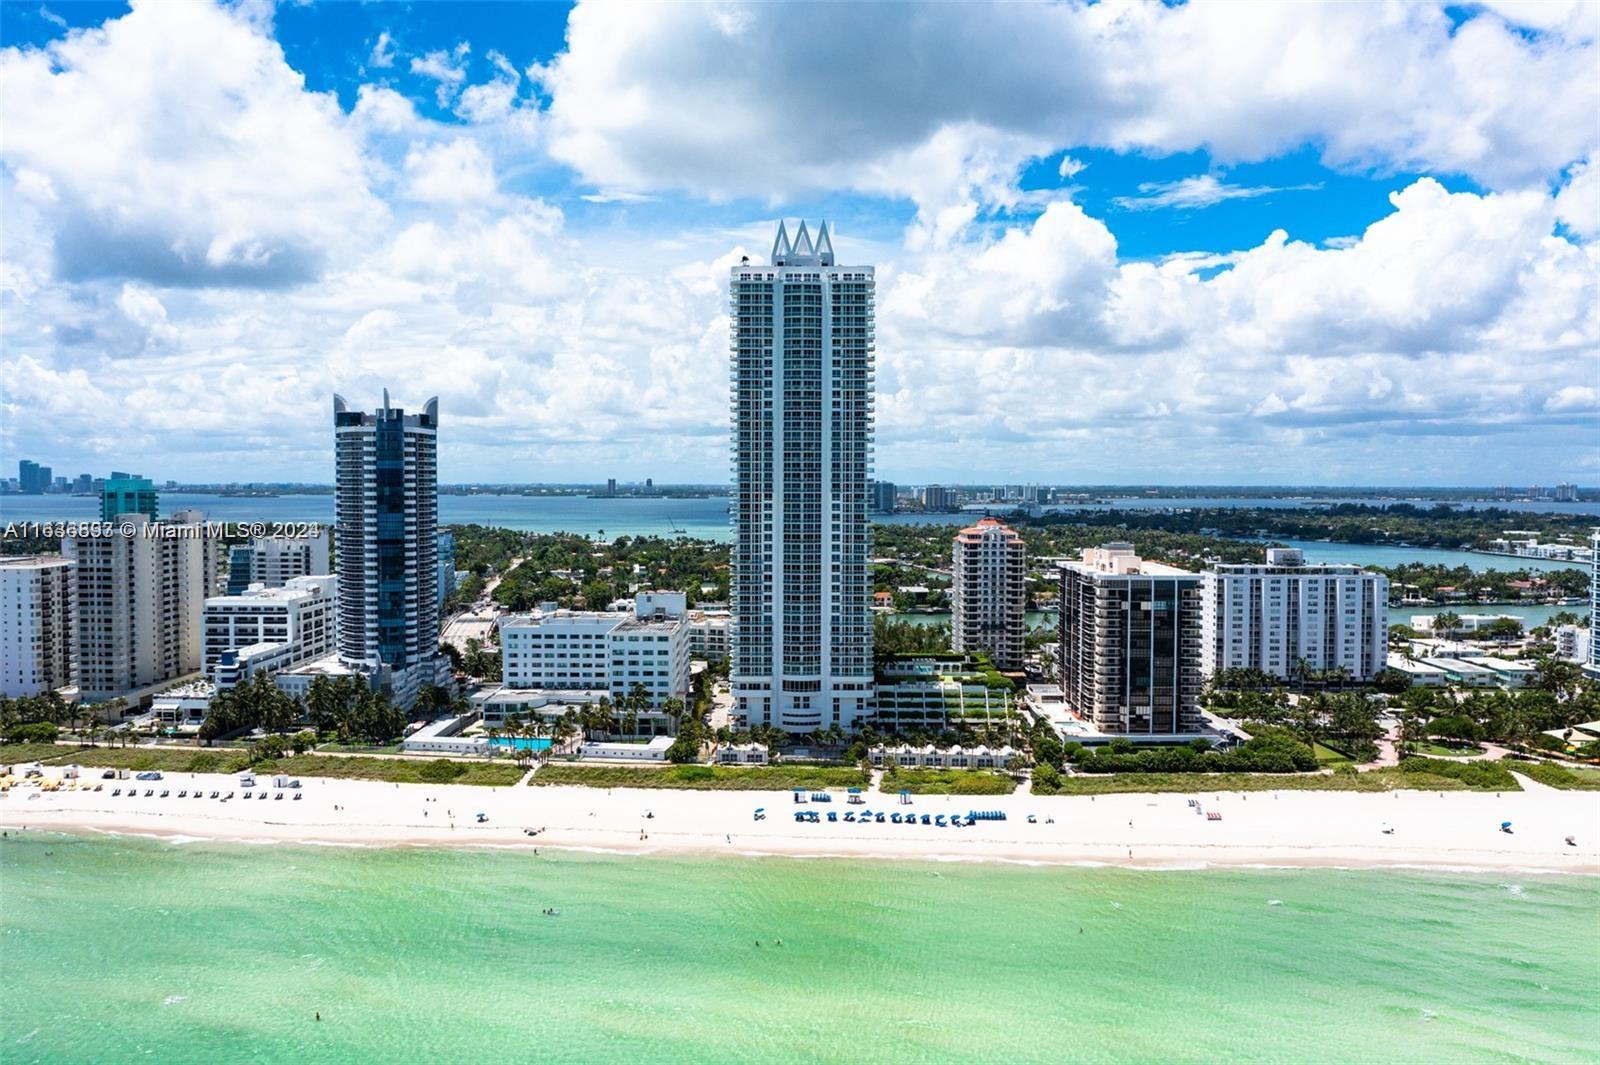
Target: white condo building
column 387, row 509
column 273, row 561
column 36, row 634
column 580, row 650
column 269, row 629
column 140, row 597
column 802, row 365
column 989, row 593
column 1276, row 616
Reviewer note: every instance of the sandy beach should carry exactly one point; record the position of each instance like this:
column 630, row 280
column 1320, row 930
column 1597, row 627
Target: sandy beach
column 1289, row 828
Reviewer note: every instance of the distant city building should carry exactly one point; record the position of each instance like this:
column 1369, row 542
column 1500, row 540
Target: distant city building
column 1566, row 493
column 37, row 601
column 610, row 651
column 84, row 484
column 128, row 495
column 32, row 478
column 937, row 498
column 989, row 593
column 1287, row 615
column 1130, row 643
column 883, row 496
column 611, row 486
column 802, row 338
column 139, row 603
column 387, row 511
column 266, row 629
column 273, row 561
column 446, row 579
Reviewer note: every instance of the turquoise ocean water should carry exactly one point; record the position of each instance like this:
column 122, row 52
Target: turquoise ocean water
column 122, row 950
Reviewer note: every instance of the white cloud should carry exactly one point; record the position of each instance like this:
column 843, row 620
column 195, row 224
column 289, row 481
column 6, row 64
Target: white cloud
column 685, row 96
column 458, row 173
column 382, row 55
column 1578, row 202
column 448, row 68
column 1202, row 190
column 1070, row 168
column 182, row 150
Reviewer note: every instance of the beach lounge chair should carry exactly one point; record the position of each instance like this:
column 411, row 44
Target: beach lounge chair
column 248, row 794
column 927, row 819
column 184, row 794
column 799, row 815
column 165, row 792
column 850, row 815
column 1212, row 815
column 939, row 820
column 1032, row 820
column 263, row 795
column 894, row 818
column 115, row 792
column 833, row 815
column 215, row 794
column 149, row 792
column 278, row 796
column 298, row 796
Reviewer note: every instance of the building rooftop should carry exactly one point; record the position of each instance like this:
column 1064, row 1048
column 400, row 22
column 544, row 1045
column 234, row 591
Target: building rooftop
column 35, row 562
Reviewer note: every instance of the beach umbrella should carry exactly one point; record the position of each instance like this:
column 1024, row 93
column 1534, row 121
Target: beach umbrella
column 1505, row 824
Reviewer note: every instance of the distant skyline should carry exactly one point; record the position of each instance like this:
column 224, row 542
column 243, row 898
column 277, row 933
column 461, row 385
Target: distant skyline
column 1335, row 245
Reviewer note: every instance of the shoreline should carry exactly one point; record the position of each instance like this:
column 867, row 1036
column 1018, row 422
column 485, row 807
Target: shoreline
column 1440, row 831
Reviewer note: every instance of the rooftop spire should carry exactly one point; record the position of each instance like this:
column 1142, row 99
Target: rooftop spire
column 780, row 246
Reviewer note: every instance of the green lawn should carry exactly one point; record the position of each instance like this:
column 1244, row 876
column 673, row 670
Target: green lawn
column 1389, row 779
column 394, row 770
column 1327, row 757
column 949, row 782
column 166, row 759
column 709, row 778
column 1568, row 778
column 233, row 760
column 1439, row 750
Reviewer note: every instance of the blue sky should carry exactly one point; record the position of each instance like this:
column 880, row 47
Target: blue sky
column 1226, row 244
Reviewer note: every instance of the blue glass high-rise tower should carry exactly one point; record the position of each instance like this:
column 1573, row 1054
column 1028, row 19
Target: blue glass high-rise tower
column 387, row 514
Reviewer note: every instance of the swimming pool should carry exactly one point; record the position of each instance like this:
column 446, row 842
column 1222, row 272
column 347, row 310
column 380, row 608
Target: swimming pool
column 520, row 743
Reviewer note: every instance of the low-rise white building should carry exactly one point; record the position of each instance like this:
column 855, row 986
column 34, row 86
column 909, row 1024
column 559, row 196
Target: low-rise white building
column 743, row 754
column 183, row 706
column 930, row 757
column 653, row 751
column 610, row 651
column 710, row 634
column 1464, row 622
column 1572, row 643
column 269, row 629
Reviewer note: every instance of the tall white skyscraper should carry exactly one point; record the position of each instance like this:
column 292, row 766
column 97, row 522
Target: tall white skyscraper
column 141, row 593
column 36, row 632
column 802, row 340
column 387, row 513
column 1593, row 668
column 988, row 591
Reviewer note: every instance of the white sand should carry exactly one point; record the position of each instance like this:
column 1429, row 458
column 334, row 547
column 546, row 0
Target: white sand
column 1288, row 828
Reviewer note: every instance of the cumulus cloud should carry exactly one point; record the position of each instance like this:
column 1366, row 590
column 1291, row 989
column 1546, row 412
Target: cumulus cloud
column 687, row 96
column 458, row 172
column 177, row 162
column 448, row 68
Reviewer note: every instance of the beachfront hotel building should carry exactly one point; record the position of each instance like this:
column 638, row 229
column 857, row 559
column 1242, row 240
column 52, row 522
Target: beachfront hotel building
column 37, row 595
column 269, row 629
column 988, row 591
column 1130, row 643
column 140, row 595
column 386, row 505
column 274, row 561
column 604, row 651
column 802, row 365
column 1287, row 617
